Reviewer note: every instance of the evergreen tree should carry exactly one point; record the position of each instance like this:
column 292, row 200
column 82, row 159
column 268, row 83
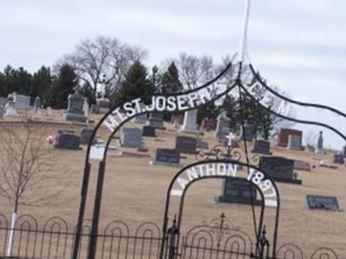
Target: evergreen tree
column 250, row 112
column 63, row 84
column 41, row 83
column 170, row 82
column 23, row 81
column 3, row 89
column 136, row 84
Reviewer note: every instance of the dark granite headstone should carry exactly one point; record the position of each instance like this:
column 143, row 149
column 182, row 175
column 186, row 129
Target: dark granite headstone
column 186, row 144
column 237, row 190
column 339, row 159
column 156, row 120
column 149, row 131
column 262, row 147
column 131, row 137
column 202, row 144
column 75, row 110
column 279, row 168
column 317, row 202
column 167, row 156
column 67, row 141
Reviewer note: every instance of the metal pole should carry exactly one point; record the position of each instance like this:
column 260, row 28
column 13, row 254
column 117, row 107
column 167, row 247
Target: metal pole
column 245, row 31
column 84, row 192
column 97, row 205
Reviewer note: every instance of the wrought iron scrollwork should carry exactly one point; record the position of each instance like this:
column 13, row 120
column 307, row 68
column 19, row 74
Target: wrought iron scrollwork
column 220, row 152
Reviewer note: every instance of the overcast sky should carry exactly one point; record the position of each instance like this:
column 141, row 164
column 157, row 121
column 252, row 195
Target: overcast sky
column 299, row 45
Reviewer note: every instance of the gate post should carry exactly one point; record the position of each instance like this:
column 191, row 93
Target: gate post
column 173, row 240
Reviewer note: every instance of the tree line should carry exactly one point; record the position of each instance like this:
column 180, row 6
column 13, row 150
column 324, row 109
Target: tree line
column 106, row 66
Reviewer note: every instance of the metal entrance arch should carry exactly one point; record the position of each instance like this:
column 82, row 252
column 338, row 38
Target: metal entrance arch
column 119, row 115
column 179, row 186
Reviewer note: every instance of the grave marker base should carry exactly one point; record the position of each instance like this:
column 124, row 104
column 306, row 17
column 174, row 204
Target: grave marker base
column 221, row 199
column 154, row 162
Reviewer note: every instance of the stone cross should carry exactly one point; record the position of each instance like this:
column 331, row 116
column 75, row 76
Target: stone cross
column 230, row 138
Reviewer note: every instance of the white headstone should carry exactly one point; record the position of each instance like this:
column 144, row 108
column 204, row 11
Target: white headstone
column 10, row 109
column 86, row 108
column 190, row 122
column 21, row 102
column 222, row 127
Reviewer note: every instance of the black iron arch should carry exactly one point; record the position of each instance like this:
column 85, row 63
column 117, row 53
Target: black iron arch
column 102, row 164
column 316, row 123
column 260, row 80
column 236, row 80
column 226, row 162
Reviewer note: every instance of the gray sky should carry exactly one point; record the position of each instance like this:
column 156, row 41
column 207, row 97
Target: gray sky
column 300, row 46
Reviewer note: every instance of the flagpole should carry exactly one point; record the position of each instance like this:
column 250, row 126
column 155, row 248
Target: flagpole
column 243, row 43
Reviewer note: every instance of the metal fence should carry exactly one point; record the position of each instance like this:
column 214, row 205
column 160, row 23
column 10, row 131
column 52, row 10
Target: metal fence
column 54, row 239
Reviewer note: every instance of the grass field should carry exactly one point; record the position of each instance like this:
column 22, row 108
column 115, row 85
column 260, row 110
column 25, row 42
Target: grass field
column 134, row 192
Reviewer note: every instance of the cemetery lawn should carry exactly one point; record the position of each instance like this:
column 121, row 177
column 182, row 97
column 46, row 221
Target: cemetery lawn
column 135, row 192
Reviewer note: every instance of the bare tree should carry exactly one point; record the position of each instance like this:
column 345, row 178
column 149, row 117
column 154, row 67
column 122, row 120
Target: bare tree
column 195, row 70
column 27, row 175
column 104, row 61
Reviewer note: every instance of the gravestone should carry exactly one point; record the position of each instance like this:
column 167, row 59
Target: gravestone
column 3, row 102
column 10, row 109
column 21, row 102
column 302, row 166
column 74, row 110
column 339, row 159
column 284, row 133
column 279, row 168
column 2, row 106
column 131, row 137
column 222, row 127
column 166, row 156
column 190, row 124
column 294, row 143
column 37, row 103
column 250, row 133
column 141, row 119
column 317, row 202
column 67, row 140
column 85, row 136
column 262, row 147
column 186, row 144
column 311, row 149
column 208, row 124
column 177, row 119
column 156, row 120
column 102, row 106
column 37, row 107
column 237, row 190
column 202, row 144
column 86, row 108
column 149, row 131
column 2, row 111
column 319, row 149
